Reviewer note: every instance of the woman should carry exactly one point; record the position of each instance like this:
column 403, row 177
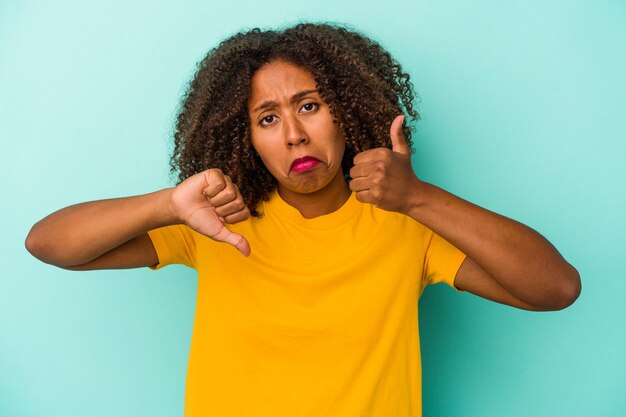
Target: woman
column 292, row 151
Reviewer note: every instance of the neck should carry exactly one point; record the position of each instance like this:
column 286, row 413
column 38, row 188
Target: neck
column 318, row 203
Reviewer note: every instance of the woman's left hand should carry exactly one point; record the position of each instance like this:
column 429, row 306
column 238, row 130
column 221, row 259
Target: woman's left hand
column 506, row 262
column 384, row 177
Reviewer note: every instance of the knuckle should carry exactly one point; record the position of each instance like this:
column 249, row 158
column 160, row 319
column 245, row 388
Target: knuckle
column 216, row 174
column 386, row 155
column 239, row 204
column 376, row 195
column 219, row 183
column 230, row 194
column 382, row 153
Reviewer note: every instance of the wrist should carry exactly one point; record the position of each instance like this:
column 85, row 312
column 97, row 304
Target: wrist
column 167, row 213
column 418, row 197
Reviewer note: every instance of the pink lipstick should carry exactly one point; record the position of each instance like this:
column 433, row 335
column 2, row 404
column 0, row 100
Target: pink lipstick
column 304, row 164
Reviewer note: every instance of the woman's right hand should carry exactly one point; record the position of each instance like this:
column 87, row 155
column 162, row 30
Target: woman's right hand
column 206, row 202
column 113, row 233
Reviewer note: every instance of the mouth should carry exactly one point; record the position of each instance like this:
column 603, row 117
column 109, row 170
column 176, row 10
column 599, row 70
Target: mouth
column 304, row 164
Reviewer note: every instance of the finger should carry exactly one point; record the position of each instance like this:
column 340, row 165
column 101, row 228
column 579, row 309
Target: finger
column 358, row 171
column 365, row 196
column 228, row 194
column 370, row 155
column 359, row 184
column 369, row 168
column 231, row 207
column 398, row 142
column 215, row 181
column 237, row 217
column 234, row 239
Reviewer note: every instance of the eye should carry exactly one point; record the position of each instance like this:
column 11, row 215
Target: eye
column 267, row 120
column 309, row 107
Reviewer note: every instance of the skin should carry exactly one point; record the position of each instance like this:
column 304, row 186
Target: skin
column 289, row 120
column 506, row 261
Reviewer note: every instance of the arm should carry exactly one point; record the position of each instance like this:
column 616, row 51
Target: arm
column 507, row 261
column 113, row 233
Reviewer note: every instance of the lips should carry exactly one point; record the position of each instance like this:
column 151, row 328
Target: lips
column 304, row 164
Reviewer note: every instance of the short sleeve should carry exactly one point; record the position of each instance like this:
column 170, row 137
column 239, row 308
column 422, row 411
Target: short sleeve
column 174, row 245
column 442, row 261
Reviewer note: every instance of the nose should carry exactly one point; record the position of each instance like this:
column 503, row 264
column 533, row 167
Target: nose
column 294, row 132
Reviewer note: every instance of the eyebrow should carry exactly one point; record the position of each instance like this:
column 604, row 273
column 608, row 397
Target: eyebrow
column 270, row 103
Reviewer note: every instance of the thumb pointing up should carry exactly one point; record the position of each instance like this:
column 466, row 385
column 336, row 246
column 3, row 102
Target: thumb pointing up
column 398, row 143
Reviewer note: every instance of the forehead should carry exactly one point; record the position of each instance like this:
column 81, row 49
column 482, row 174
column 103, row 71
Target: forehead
column 278, row 81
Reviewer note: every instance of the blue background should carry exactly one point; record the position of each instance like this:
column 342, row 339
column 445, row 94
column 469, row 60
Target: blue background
column 523, row 112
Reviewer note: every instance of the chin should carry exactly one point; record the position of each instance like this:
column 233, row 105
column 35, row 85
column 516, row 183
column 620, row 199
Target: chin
column 305, row 187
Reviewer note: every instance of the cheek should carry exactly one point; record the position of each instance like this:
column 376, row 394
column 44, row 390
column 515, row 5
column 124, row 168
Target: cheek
column 258, row 144
column 266, row 154
column 340, row 148
column 340, row 144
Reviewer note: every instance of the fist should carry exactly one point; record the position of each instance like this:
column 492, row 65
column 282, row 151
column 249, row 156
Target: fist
column 384, row 177
column 206, row 202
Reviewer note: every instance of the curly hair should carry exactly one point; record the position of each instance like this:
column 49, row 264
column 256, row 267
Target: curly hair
column 364, row 87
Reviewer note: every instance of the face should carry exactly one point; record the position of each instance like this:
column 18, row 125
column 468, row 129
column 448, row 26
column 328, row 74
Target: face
column 293, row 131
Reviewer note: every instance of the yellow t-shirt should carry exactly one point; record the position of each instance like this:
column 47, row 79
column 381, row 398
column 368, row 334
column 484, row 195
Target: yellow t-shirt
column 321, row 318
